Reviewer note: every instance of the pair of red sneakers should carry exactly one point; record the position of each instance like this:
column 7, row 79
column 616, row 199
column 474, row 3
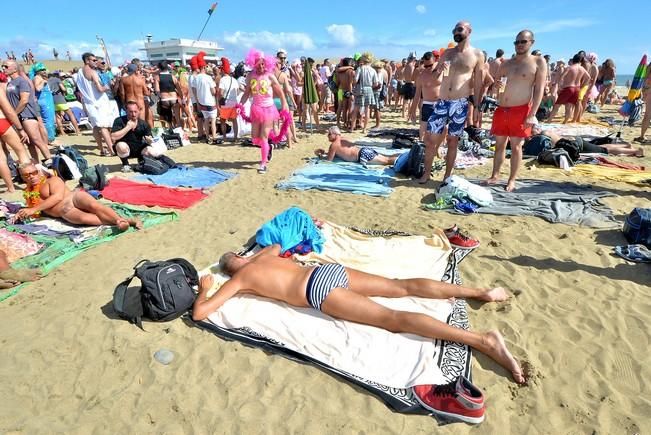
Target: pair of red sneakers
column 459, row 239
column 458, row 400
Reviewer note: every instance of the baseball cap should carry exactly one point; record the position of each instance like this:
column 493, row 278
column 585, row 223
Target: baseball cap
column 132, row 68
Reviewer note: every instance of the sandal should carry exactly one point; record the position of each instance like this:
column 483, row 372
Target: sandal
column 635, row 253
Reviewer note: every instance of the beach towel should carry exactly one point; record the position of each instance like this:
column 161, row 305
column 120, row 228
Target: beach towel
column 293, row 230
column 639, row 178
column 131, row 192
column 554, row 202
column 340, row 177
column 58, row 250
column 17, row 246
column 383, row 363
column 603, row 161
column 186, row 176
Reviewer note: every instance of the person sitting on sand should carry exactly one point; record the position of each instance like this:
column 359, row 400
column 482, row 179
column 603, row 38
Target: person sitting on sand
column 343, row 293
column 593, row 145
column 51, row 197
column 350, row 152
column 10, row 277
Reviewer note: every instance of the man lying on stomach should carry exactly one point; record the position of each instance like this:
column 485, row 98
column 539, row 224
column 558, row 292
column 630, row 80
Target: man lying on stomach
column 343, row 293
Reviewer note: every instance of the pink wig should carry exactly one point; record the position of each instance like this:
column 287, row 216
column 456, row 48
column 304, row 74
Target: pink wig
column 254, row 55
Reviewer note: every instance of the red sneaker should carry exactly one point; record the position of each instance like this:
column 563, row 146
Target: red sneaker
column 460, row 240
column 459, row 400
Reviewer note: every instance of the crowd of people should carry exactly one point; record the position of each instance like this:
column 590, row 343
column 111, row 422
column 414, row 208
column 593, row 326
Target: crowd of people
column 444, row 90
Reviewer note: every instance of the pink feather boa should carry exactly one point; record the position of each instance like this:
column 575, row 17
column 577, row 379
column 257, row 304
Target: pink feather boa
column 285, row 117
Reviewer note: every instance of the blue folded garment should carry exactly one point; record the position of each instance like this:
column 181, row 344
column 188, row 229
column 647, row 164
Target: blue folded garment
column 289, row 229
column 186, row 176
column 340, row 177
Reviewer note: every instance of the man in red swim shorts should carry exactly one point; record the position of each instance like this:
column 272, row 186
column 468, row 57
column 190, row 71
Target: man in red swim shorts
column 521, row 83
column 572, row 80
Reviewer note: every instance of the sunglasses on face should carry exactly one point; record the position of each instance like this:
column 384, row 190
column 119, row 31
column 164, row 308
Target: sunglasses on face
column 520, row 41
column 458, row 29
column 428, row 65
column 5, row 66
column 282, row 58
column 30, row 174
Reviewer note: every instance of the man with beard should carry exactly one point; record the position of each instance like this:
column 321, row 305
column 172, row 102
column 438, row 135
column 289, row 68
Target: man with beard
column 519, row 98
column 460, row 71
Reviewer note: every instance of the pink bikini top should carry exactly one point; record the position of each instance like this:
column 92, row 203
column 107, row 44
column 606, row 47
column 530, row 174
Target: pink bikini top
column 263, row 94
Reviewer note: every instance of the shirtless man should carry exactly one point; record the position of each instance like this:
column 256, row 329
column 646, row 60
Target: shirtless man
column 555, row 78
column 350, row 152
column 519, row 99
column 344, row 293
column 399, row 75
column 429, row 88
column 56, row 200
column 408, row 85
column 345, row 82
column 460, row 72
column 588, row 92
column 134, row 88
column 13, row 137
column 592, row 145
column 493, row 67
column 572, row 80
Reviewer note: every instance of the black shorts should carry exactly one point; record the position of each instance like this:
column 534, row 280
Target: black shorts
column 409, row 91
column 196, row 110
column 589, row 147
column 399, row 88
column 426, row 111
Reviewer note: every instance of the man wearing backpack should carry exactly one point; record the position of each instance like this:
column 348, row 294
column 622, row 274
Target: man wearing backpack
column 131, row 135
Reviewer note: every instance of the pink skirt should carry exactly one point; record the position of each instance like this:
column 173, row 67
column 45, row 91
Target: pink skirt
column 264, row 114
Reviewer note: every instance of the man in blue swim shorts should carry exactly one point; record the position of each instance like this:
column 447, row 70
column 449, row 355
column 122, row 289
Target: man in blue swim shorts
column 460, row 71
column 350, row 152
column 344, row 293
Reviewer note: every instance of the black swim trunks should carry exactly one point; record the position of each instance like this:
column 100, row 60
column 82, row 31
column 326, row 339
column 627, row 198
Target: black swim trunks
column 409, row 91
column 426, row 111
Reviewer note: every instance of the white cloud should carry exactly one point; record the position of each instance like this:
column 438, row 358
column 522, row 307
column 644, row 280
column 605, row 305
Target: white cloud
column 241, row 42
column 421, row 9
column 342, row 34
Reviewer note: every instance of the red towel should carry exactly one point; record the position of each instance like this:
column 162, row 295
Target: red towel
column 131, row 192
column 621, row 165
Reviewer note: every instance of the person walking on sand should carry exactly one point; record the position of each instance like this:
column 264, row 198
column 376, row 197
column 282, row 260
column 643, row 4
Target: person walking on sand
column 344, row 293
column 521, row 82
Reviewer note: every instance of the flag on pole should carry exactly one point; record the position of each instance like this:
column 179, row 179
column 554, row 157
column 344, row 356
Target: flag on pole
column 212, row 8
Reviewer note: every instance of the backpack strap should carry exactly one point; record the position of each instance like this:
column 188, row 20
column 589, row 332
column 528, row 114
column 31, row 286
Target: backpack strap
column 122, row 288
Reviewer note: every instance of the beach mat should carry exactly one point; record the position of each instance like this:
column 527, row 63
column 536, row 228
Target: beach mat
column 187, row 176
column 567, row 203
column 132, row 192
column 340, row 177
column 638, row 178
column 383, row 363
column 58, row 250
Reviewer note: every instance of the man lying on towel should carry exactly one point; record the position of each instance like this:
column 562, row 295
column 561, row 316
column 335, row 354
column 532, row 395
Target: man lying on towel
column 343, row 293
column 52, row 197
column 350, row 152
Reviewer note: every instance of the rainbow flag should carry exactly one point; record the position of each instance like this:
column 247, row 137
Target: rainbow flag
column 212, row 8
column 636, row 87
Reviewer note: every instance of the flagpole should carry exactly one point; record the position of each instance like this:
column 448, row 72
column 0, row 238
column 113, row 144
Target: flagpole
column 210, row 12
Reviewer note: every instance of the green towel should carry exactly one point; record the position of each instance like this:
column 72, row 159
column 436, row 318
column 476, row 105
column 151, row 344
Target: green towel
column 310, row 95
column 58, row 250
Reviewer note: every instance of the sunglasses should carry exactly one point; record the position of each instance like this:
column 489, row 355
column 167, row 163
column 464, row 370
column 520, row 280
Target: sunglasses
column 30, row 174
column 282, row 58
column 520, row 41
column 458, row 29
column 428, row 65
column 5, row 66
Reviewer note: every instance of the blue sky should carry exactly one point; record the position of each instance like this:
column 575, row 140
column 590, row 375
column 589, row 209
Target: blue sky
column 334, row 28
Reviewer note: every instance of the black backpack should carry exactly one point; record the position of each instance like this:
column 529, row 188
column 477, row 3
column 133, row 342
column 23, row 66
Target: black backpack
column 637, row 227
column 416, row 161
column 155, row 165
column 571, row 146
column 536, row 144
column 165, row 292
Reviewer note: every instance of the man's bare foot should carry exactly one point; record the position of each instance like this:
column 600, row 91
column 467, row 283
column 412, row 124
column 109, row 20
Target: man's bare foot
column 122, row 224
column 422, row 180
column 136, row 223
column 510, row 186
column 497, row 294
column 494, row 346
column 21, row 275
column 492, row 180
column 639, row 152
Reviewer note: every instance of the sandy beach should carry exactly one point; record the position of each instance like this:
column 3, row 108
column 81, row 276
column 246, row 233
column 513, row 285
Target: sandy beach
column 578, row 319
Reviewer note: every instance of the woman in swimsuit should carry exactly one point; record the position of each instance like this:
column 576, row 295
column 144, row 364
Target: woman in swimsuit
column 606, row 77
column 52, row 197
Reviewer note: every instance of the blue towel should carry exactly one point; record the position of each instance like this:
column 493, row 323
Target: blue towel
column 340, row 177
column 186, row 176
column 293, row 230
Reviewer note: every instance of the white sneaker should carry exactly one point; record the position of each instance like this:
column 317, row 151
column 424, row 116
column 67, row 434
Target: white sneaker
column 126, row 168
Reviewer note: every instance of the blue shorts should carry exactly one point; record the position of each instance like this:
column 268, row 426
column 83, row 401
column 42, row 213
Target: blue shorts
column 366, row 155
column 452, row 113
column 321, row 282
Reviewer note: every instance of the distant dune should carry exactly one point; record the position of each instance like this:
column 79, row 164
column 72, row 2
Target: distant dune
column 61, row 65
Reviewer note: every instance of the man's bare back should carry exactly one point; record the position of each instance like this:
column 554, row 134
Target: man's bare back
column 345, row 79
column 408, row 72
column 135, row 89
column 574, row 76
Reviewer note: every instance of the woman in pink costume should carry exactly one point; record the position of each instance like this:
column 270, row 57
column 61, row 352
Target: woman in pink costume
column 261, row 84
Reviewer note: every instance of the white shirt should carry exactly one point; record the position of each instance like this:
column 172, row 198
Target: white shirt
column 205, row 85
column 325, row 73
column 230, row 90
column 191, row 84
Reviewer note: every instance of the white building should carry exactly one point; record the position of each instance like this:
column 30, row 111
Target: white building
column 180, row 49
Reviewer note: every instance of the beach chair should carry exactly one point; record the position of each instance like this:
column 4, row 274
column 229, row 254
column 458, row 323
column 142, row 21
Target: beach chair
column 77, row 110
